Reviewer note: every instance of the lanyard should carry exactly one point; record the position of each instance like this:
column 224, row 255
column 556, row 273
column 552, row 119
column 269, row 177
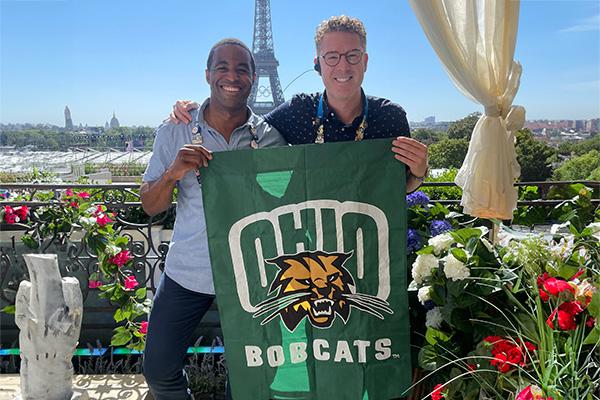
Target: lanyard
column 360, row 131
column 197, row 137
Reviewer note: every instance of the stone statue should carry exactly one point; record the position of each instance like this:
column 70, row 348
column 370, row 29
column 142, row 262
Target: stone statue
column 48, row 313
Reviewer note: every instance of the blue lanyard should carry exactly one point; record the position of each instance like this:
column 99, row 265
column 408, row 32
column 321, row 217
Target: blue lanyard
column 319, row 121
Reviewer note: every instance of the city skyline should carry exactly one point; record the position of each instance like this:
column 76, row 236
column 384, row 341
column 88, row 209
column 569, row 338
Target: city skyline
column 138, row 61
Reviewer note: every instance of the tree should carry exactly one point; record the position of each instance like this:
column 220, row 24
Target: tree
column 448, row 153
column 427, row 136
column 463, row 128
column 580, row 167
column 534, row 157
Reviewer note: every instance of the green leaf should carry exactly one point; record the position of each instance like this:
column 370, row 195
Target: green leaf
column 428, row 357
column 460, row 255
column 119, row 315
column 9, row 309
column 433, row 336
column 140, row 293
column 593, row 337
column 121, row 338
column 594, row 306
column 30, row 242
column 462, row 236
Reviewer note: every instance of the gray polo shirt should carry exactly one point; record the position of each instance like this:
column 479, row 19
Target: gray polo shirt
column 188, row 261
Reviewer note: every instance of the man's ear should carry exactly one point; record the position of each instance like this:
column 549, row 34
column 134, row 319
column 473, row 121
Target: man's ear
column 207, row 73
column 366, row 56
column 253, row 78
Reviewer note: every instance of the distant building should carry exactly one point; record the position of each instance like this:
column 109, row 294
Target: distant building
column 430, row 120
column 114, row 122
column 68, row 120
column 106, row 125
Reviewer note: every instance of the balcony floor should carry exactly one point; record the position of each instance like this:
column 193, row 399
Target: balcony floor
column 98, row 387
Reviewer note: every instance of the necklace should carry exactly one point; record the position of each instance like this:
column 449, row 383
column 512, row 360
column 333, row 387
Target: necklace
column 360, row 131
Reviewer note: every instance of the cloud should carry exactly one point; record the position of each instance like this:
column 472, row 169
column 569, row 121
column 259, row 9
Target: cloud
column 583, row 86
column 585, row 25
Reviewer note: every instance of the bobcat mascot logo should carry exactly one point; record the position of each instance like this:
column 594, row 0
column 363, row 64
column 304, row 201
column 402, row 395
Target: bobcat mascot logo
column 318, row 286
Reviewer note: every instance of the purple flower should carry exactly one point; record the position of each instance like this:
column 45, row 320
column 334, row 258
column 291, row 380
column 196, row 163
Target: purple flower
column 413, row 241
column 417, row 198
column 438, row 227
column 429, row 305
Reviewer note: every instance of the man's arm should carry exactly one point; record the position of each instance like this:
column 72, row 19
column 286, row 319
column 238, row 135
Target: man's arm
column 157, row 195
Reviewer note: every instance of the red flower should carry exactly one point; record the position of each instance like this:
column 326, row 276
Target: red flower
column 103, row 219
column 22, row 212
column 590, row 322
column 10, row 218
column 130, row 282
column 74, row 204
column 552, row 286
column 144, row 327
column 69, row 192
column 92, row 284
column 83, row 195
column 120, row 259
column 507, row 354
column 438, row 392
column 566, row 312
column 531, row 393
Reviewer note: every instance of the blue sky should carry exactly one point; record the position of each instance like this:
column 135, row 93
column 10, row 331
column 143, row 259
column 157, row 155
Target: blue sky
column 137, row 57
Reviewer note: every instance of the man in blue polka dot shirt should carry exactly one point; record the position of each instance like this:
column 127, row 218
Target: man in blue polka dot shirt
column 342, row 112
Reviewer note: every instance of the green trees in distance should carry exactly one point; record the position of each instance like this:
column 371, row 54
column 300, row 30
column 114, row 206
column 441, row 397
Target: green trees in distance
column 585, row 166
column 428, row 136
column 463, row 128
column 535, row 157
column 448, row 153
column 579, row 148
column 53, row 140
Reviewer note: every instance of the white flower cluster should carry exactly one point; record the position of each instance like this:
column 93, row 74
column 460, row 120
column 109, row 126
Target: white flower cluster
column 441, row 242
column 423, row 265
column 454, row 269
column 433, row 318
column 424, row 294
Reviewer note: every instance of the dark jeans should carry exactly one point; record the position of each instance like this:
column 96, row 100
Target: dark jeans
column 175, row 314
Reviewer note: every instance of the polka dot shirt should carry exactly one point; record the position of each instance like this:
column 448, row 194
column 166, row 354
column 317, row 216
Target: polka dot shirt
column 295, row 120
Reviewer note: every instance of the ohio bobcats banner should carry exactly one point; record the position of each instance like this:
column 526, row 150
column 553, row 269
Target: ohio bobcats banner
column 308, row 254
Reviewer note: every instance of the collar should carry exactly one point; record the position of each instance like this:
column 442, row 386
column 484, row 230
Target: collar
column 326, row 110
column 252, row 119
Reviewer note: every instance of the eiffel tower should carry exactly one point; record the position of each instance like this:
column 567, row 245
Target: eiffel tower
column 266, row 91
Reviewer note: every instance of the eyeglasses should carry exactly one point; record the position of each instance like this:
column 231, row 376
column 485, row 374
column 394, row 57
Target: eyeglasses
column 332, row 58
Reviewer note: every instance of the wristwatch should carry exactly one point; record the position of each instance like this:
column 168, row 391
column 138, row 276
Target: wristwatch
column 422, row 178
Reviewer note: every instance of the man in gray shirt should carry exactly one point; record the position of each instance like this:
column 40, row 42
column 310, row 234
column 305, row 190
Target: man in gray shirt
column 224, row 122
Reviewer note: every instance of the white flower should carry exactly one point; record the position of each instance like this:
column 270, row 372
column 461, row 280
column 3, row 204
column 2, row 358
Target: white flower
column 455, row 269
column 594, row 226
column 424, row 294
column 441, row 242
column 423, row 266
column 86, row 221
column 434, row 318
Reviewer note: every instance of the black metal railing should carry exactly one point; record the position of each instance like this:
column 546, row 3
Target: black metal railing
column 148, row 242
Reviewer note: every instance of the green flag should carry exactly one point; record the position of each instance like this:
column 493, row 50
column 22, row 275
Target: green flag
column 308, row 250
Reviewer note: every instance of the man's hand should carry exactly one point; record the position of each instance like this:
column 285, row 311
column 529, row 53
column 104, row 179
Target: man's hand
column 189, row 157
column 181, row 111
column 156, row 196
column 414, row 154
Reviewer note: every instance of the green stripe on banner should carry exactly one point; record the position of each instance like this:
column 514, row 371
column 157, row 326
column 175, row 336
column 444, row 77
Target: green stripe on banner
column 308, row 249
